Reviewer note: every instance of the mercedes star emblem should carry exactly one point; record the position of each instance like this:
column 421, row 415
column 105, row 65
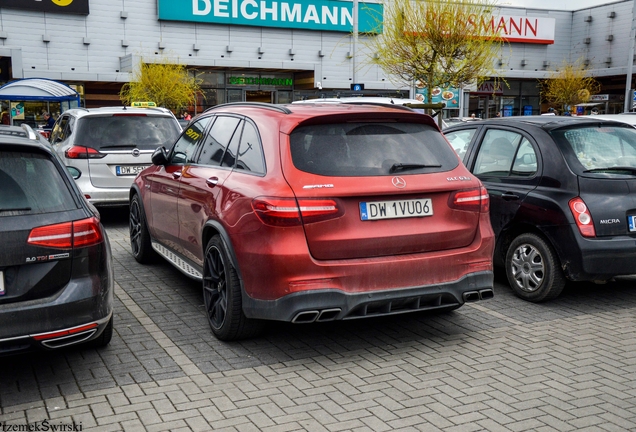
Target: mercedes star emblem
column 398, row 182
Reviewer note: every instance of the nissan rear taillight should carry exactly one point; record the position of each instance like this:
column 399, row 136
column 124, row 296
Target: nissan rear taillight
column 67, row 235
column 582, row 217
column 291, row 212
column 81, row 152
column 476, row 200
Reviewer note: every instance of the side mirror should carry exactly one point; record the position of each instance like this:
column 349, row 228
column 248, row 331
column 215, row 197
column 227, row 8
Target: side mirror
column 75, row 173
column 160, row 156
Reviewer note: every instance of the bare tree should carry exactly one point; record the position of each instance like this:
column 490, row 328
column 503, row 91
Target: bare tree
column 569, row 85
column 438, row 43
column 168, row 84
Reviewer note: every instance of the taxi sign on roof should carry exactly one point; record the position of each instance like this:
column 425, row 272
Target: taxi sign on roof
column 144, row 105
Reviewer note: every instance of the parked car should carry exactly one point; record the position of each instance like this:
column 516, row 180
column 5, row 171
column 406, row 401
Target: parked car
column 24, row 130
column 56, row 275
column 562, row 197
column 110, row 146
column 314, row 212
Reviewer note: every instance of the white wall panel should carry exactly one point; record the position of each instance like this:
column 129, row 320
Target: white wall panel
column 106, row 29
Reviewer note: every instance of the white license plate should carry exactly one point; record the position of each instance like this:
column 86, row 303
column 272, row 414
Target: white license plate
column 396, row 209
column 129, row 169
column 2, row 290
column 632, row 223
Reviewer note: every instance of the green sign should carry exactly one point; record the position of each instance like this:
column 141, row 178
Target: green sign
column 246, row 80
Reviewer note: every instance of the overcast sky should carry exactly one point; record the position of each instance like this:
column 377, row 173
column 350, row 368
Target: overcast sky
column 554, row 5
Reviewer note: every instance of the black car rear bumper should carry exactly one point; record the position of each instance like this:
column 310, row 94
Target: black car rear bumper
column 329, row 304
column 50, row 322
column 584, row 259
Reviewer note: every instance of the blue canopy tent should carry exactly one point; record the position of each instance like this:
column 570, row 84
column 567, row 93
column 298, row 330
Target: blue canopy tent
column 40, row 90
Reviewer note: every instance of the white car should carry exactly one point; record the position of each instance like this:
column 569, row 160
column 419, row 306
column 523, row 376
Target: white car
column 109, row 146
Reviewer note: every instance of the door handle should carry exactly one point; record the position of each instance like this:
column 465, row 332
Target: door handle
column 176, row 174
column 212, row 181
column 509, row 196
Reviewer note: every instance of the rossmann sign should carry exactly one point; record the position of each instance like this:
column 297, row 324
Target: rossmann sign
column 330, row 15
column 526, row 29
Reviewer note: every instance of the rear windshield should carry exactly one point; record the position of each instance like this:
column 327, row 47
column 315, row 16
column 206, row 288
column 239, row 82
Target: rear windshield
column 126, row 131
column 370, row 149
column 599, row 148
column 31, row 184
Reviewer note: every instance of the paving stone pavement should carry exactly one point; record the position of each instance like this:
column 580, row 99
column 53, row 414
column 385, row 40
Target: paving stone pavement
column 499, row 365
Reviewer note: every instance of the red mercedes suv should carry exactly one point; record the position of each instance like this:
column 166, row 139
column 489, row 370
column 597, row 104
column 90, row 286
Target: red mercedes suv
column 311, row 213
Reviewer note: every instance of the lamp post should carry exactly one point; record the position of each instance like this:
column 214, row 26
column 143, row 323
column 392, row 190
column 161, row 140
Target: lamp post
column 630, row 61
column 355, row 39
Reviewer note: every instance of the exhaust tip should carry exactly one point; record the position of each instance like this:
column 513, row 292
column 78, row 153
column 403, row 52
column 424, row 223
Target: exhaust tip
column 305, row 317
column 328, row 314
column 486, row 294
column 471, row 296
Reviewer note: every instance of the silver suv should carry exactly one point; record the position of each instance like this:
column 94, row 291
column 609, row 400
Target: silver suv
column 109, row 146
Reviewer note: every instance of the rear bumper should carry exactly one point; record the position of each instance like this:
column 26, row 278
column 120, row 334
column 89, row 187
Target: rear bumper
column 105, row 196
column 329, row 304
column 87, row 300
column 585, row 259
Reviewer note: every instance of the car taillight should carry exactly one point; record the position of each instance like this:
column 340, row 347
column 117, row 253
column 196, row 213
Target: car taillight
column 290, row 212
column 82, row 233
column 81, row 152
column 476, row 200
column 582, row 217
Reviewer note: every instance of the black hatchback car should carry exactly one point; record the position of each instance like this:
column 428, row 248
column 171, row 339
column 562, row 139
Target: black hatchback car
column 562, row 197
column 56, row 275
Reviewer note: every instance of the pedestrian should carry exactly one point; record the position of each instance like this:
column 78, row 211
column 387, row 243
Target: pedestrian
column 50, row 121
column 186, row 116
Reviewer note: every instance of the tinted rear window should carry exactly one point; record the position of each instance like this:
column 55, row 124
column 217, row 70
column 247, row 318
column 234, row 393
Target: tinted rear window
column 31, row 184
column 370, row 149
column 126, row 131
column 594, row 148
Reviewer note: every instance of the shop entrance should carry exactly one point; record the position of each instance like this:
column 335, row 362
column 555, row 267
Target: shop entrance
column 259, row 96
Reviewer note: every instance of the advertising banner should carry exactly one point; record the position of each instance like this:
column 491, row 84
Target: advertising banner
column 79, row 7
column 328, row 15
column 449, row 96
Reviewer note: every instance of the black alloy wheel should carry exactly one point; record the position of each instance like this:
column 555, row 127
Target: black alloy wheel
column 222, row 296
column 215, row 281
column 139, row 235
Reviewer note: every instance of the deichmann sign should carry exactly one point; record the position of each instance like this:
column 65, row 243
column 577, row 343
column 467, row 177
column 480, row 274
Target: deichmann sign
column 281, row 82
column 61, row 6
column 330, row 15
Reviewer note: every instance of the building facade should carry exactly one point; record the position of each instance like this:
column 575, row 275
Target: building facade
column 277, row 51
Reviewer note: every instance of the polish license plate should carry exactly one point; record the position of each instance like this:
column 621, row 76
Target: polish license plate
column 632, row 223
column 2, row 289
column 129, row 169
column 396, row 209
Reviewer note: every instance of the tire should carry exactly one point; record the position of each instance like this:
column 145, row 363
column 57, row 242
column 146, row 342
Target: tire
column 222, row 296
column 139, row 236
column 533, row 269
column 103, row 339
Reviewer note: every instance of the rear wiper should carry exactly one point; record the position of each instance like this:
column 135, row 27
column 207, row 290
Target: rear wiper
column 404, row 167
column 6, row 209
column 631, row 169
